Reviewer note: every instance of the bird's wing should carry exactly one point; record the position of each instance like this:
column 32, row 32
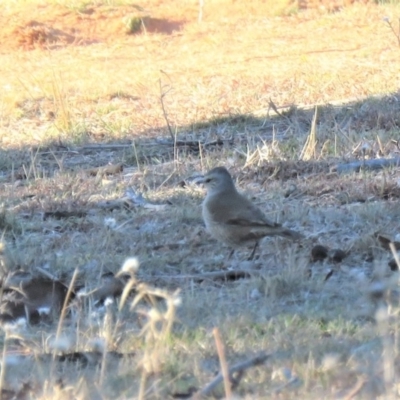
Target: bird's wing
column 249, row 215
column 249, row 223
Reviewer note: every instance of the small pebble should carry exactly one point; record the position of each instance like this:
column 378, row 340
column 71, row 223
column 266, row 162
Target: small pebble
column 319, row 253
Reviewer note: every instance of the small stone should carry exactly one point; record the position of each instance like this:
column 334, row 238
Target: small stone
column 337, row 255
column 319, row 253
column 255, row 294
column 393, row 265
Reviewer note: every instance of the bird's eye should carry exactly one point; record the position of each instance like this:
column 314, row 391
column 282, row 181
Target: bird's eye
column 208, row 180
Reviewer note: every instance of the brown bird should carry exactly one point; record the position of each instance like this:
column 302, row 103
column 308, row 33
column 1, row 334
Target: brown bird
column 30, row 297
column 232, row 218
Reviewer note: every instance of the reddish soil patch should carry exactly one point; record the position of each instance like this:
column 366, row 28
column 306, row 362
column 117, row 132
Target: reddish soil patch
column 52, row 26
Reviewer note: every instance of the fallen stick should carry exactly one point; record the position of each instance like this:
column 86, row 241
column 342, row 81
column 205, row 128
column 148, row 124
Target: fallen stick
column 215, row 275
column 191, row 143
column 356, row 389
column 372, row 165
column 104, row 147
column 222, row 361
column 238, row 368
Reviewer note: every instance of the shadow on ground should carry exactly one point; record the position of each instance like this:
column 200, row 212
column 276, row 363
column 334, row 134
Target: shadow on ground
column 372, row 123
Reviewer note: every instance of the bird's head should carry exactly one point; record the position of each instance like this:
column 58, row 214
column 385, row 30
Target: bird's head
column 218, row 179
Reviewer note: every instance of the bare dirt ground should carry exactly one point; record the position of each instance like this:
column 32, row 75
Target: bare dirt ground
column 279, row 95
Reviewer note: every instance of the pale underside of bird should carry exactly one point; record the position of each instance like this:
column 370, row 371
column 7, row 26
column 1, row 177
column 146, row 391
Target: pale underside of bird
column 232, row 218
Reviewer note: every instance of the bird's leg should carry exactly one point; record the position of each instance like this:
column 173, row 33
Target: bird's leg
column 231, row 254
column 253, row 252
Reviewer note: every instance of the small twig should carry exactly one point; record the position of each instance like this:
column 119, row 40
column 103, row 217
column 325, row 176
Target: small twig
column 142, row 387
column 238, row 368
column 103, row 147
column 397, row 34
column 394, row 252
column 308, row 151
column 190, row 143
column 136, row 155
column 328, row 275
column 46, row 274
column 3, row 364
column 162, row 95
column 385, row 242
column 65, row 305
column 356, row 389
column 201, row 6
column 372, row 165
column 201, row 156
column 222, row 361
column 215, row 275
column 273, row 106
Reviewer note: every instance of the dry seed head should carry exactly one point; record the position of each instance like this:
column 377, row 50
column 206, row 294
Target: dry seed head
column 177, row 301
column 44, row 310
column 154, row 314
column 284, row 374
column 110, row 223
column 130, row 266
column 82, row 292
column 108, row 301
column 330, row 362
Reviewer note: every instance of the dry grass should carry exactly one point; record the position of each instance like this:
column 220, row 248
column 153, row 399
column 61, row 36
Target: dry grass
column 241, row 88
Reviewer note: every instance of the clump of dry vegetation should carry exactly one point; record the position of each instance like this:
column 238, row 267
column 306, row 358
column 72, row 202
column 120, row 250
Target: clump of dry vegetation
column 109, row 113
